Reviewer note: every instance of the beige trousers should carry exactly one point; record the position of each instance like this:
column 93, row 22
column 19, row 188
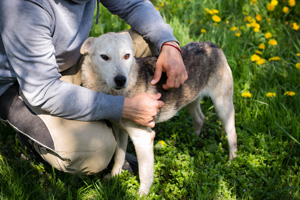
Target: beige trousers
column 83, row 147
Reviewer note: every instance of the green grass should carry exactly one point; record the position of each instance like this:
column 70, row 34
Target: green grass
column 187, row 167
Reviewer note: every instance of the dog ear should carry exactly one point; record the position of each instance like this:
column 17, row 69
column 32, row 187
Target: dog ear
column 126, row 34
column 86, row 45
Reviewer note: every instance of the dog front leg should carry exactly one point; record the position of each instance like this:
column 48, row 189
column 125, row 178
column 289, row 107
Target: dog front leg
column 142, row 138
column 119, row 158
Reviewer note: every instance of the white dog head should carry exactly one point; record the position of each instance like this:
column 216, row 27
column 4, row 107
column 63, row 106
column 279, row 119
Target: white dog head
column 111, row 57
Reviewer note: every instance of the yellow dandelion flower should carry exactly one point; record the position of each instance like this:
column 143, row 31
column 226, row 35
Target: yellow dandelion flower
column 297, row 65
column 274, row 58
column 289, row 93
column 256, row 30
column 258, row 52
column 261, row 61
column 162, row 4
column 270, row 7
column 208, row 11
column 203, row 31
column 255, row 57
column 238, row 34
column 292, row 3
column 285, row 9
column 179, row 6
column 156, row 8
column 252, row 2
column 234, row 28
column 262, row 46
column 248, row 19
column 251, row 24
column 252, row 20
column 246, row 95
column 271, row 94
column 298, row 54
column 256, row 25
column 216, row 18
column 268, row 35
column 215, row 11
column 161, row 142
column 272, row 42
column 258, row 17
column 295, row 26
column 274, row 2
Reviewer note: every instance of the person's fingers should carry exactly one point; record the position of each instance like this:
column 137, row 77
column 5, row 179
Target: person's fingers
column 157, row 73
column 154, row 96
column 151, row 124
column 177, row 82
column 184, row 77
column 171, row 74
column 160, row 104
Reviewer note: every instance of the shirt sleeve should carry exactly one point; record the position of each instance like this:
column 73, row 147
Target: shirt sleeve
column 26, row 35
column 144, row 18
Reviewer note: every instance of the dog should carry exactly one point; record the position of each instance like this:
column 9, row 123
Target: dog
column 109, row 66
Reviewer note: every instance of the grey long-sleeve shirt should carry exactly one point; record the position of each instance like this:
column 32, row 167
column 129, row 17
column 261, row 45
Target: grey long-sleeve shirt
column 40, row 38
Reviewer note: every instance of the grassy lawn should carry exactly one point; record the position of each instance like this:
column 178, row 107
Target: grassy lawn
column 261, row 40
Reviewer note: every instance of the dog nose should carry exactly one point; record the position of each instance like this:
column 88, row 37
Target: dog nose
column 120, row 80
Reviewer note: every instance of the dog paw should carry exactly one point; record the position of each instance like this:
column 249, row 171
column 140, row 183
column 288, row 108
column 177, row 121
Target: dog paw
column 107, row 176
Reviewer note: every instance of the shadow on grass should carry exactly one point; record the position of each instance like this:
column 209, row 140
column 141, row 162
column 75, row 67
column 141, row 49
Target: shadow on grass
column 29, row 179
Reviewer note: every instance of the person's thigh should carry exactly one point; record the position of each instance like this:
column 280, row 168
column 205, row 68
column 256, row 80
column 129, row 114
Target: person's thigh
column 68, row 145
column 80, row 147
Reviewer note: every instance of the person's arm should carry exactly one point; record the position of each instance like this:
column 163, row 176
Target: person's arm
column 26, row 35
column 147, row 21
column 142, row 16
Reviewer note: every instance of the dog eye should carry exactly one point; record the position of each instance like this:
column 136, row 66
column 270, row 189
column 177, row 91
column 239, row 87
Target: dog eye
column 104, row 57
column 127, row 56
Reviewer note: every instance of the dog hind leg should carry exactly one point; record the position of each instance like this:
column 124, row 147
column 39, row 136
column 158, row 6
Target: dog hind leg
column 221, row 96
column 194, row 110
column 225, row 110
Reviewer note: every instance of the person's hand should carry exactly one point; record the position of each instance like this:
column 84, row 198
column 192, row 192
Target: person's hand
column 170, row 62
column 142, row 108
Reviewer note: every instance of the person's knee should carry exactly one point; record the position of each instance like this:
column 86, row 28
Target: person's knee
column 87, row 161
column 91, row 162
